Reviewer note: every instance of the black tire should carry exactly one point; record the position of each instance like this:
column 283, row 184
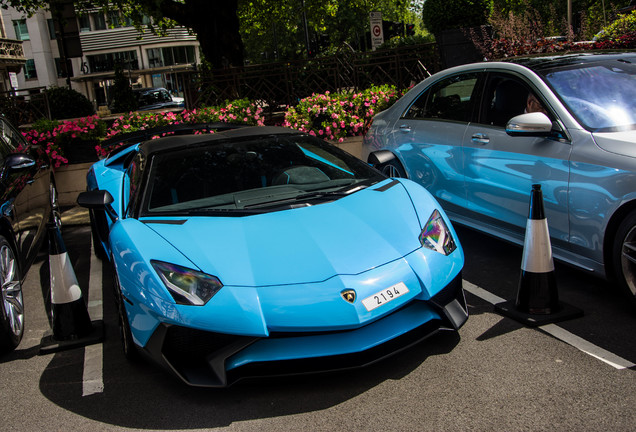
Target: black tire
column 12, row 302
column 624, row 256
column 393, row 168
column 128, row 345
column 98, row 248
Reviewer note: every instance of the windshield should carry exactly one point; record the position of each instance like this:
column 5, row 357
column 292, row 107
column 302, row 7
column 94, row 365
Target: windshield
column 254, row 175
column 602, row 96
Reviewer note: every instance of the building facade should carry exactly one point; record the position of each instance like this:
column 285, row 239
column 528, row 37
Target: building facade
column 147, row 59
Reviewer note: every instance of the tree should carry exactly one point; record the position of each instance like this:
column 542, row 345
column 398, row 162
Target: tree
column 122, row 94
column 214, row 21
column 274, row 29
column 440, row 15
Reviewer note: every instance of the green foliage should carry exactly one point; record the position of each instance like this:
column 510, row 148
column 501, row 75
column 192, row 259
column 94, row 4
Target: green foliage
column 67, row 103
column 625, row 24
column 397, row 42
column 275, row 30
column 45, row 125
column 122, row 94
column 440, row 15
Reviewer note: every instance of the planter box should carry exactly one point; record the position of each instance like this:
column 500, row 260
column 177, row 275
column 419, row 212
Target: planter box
column 70, row 181
column 352, row 145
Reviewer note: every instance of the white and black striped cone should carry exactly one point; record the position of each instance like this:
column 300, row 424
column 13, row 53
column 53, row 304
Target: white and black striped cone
column 537, row 301
column 537, row 292
column 71, row 323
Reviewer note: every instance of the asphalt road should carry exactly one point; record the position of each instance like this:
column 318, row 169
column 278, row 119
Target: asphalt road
column 495, row 374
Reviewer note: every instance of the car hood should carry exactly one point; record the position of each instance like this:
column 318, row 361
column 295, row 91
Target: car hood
column 304, row 245
column 622, row 143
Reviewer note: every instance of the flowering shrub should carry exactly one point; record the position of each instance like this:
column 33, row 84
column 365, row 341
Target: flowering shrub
column 329, row 116
column 241, row 111
column 339, row 115
column 54, row 138
column 502, row 48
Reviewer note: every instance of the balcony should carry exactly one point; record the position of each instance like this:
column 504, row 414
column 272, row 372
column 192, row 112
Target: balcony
column 11, row 55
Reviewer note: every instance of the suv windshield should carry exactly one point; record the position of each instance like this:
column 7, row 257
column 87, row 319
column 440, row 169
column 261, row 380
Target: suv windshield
column 255, row 175
column 601, row 95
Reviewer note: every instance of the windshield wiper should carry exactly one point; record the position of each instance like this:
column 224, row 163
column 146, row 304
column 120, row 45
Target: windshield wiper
column 337, row 193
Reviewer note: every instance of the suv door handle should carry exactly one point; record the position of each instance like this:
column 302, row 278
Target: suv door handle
column 405, row 128
column 480, row 138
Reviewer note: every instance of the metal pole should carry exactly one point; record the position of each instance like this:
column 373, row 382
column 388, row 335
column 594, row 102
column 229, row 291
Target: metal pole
column 302, row 2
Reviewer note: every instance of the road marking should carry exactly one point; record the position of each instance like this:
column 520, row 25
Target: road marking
column 559, row 333
column 94, row 354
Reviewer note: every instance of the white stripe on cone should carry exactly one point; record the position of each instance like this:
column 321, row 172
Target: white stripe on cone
column 64, row 286
column 537, row 251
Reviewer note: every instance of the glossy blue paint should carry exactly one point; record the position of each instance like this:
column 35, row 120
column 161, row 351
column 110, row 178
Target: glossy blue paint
column 361, row 339
column 284, row 271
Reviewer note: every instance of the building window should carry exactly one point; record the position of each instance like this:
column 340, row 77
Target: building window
column 106, row 62
column 21, row 31
column 170, row 56
column 29, row 69
column 84, row 23
column 51, row 25
column 58, row 67
column 113, row 19
column 99, row 23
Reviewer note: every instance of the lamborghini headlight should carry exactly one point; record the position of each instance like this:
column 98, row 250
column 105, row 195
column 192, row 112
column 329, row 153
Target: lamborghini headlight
column 436, row 235
column 187, row 286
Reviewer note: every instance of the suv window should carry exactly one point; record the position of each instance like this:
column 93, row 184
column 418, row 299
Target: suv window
column 448, row 99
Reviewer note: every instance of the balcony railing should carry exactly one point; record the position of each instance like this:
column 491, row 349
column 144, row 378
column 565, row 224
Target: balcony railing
column 11, row 53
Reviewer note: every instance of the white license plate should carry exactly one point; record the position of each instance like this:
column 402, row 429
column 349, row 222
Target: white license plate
column 385, row 296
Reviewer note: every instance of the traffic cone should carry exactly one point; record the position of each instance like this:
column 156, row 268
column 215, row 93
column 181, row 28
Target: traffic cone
column 537, row 301
column 71, row 323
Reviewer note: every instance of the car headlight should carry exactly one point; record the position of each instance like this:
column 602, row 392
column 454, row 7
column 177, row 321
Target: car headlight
column 187, row 286
column 436, row 235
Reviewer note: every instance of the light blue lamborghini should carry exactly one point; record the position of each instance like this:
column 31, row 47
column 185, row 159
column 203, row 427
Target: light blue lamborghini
column 266, row 251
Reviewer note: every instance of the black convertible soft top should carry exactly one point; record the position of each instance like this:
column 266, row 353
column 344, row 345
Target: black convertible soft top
column 178, row 141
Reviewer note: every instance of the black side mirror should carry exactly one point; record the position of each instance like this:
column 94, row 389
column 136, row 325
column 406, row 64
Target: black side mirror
column 98, row 200
column 19, row 161
column 95, row 199
column 380, row 157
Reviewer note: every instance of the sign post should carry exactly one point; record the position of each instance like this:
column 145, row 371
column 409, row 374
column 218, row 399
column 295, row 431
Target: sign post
column 377, row 34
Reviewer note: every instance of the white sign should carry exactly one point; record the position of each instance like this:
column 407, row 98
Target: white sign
column 13, row 77
column 377, row 34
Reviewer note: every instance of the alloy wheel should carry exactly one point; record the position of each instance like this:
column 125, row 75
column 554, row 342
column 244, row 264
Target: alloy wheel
column 11, row 291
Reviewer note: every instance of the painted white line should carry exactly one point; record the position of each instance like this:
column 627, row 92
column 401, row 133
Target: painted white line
column 93, row 381
column 482, row 293
column 559, row 333
column 587, row 347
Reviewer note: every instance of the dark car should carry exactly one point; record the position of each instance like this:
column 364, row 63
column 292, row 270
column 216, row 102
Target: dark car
column 28, row 201
column 156, row 98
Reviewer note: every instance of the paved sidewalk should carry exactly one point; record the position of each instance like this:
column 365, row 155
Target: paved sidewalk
column 75, row 216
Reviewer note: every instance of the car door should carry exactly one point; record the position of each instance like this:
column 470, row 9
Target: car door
column 430, row 135
column 499, row 169
column 29, row 186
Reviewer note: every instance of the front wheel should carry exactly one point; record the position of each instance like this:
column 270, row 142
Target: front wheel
column 12, row 304
column 624, row 255
column 393, row 168
column 128, row 345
